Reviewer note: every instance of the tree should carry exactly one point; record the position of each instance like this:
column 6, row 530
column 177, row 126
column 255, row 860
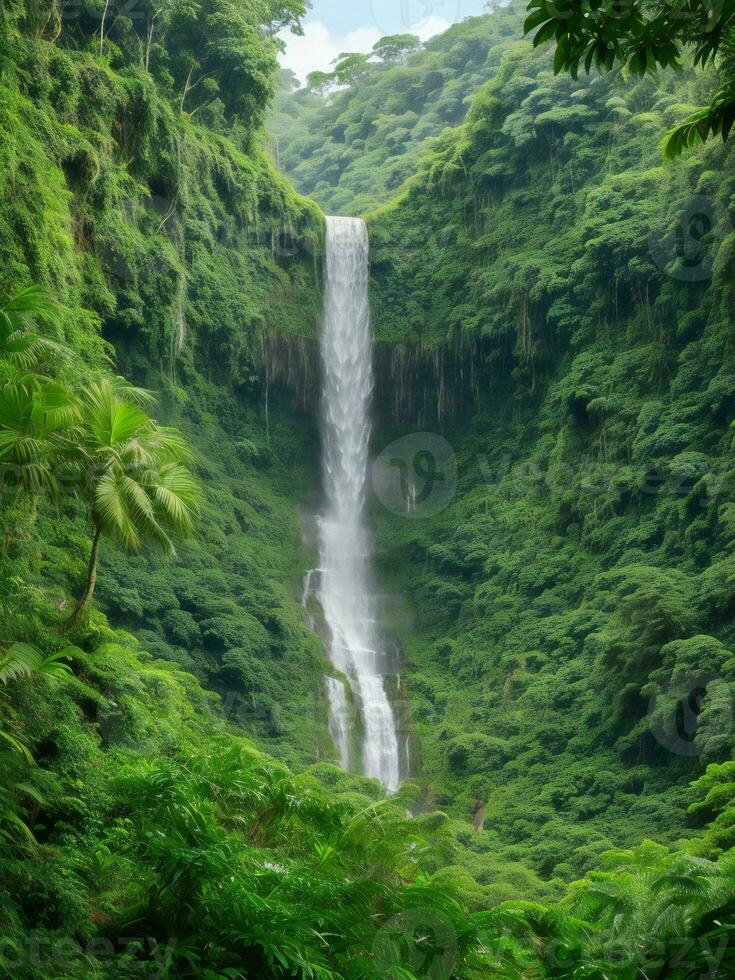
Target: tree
column 644, row 36
column 228, row 50
column 319, row 82
column 158, row 17
column 396, row 48
column 134, row 475
column 349, row 67
column 25, row 320
column 35, row 411
column 131, row 469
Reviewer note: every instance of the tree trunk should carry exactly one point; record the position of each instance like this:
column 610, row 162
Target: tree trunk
column 86, row 596
column 186, row 88
column 149, row 42
column 102, row 26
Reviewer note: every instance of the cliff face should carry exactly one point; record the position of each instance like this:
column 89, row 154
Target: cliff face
column 413, row 387
column 184, row 256
column 418, row 388
column 166, row 221
column 568, row 301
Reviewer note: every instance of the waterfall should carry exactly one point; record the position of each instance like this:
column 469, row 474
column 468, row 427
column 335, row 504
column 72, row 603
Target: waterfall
column 345, row 592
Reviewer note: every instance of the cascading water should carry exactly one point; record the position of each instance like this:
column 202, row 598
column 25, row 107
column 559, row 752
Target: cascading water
column 344, row 587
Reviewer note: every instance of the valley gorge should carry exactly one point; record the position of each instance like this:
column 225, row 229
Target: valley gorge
column 432, row 672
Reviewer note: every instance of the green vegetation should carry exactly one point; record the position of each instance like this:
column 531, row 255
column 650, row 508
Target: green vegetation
column 643, row 36
column 579, row 581
column 169, row 804
column 100, row 444
column 133, row 470
column 352, row 149
column 173, row 234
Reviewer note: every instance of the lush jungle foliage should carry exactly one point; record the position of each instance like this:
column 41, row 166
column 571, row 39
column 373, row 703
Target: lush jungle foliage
column 643, row 36
column 150, row 705
column 175, row 237
column 351, row 138
column 576, row 595
column 569, row 657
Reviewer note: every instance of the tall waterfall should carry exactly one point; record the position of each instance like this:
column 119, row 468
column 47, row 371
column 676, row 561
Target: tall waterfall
column 344, row 583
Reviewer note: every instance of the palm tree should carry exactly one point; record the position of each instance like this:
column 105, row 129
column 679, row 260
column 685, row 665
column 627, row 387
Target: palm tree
column 21, row 660
column 35, row 411
column 134, row 474
column 23, row 318
column 649, row 901
column 36, row 416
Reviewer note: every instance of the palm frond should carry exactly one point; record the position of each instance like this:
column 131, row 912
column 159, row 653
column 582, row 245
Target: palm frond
column 21, row 344
column 177, row 496
column 170, row 444
column 57, row 406
column 16, row 746
column 110, row 420
column 34, row 300
column 112, row 514
column 130, row 393
column 22, row 660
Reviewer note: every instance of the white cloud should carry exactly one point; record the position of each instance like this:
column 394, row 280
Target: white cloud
column 430, row 27
column 318, row 47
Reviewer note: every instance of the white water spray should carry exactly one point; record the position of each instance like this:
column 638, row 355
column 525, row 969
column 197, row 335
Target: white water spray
column 344, row 587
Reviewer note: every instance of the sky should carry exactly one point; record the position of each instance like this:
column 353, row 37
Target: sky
column 333, row 26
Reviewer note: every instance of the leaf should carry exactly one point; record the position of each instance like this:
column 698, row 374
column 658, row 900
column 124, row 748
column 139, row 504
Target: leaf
column 534, row 20
column 545, row 34
column 560, row 59
column 716, row 119
column 17, row 746
column 30, row 790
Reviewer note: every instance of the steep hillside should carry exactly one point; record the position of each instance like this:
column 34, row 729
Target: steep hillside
column 549, row 301
column 174, row 233
column 351, row 147
column 575, row 597
column 141, row 831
